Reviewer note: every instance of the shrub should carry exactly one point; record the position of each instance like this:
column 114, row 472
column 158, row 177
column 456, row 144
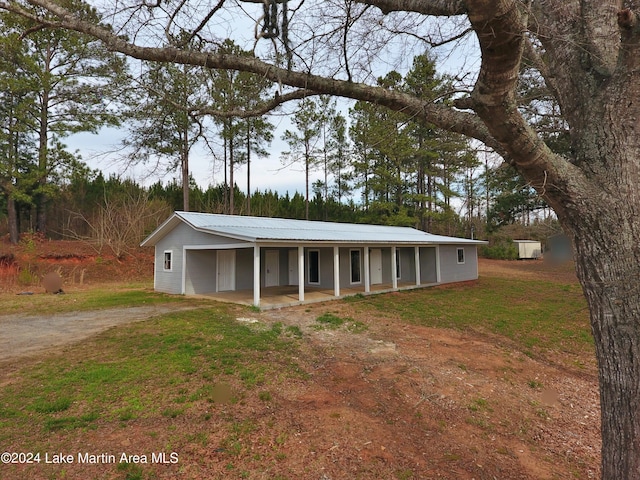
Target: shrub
column 501, row 251
column 26, row 276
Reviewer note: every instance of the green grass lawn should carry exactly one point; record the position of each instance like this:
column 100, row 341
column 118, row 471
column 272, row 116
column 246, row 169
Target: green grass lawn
column 109, row 296
column 544, row 315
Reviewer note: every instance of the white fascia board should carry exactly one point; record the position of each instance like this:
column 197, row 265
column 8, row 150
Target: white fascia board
column 220, row 246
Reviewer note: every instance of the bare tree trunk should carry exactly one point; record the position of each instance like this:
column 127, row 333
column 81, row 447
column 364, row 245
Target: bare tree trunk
column 232, row 189
column 595, row 196
column 248, row 168
column 610, row 283
column 43, row 167
column 603, row 221
column 306, row 183
column 12, row 214
column 185, row 173
column 225, row 191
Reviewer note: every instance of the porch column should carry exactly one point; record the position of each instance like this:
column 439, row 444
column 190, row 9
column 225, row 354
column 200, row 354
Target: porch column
column 336, row 271
column 301, row 274
column 367, row 270
column 394, row 270
column 256, row 276
column 417, row 260
column 438, row 277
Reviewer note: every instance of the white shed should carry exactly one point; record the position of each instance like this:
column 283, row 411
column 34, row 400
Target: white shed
column 528, row 249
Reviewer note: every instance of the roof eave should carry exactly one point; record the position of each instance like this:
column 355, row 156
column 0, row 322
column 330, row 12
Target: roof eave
column 160, row 232
column 271, row 241
column 170, row 223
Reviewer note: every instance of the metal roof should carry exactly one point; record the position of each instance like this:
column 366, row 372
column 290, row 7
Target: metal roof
column 263, row 229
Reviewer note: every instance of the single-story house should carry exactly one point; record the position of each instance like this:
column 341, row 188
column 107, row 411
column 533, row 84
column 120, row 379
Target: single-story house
column 275, row 262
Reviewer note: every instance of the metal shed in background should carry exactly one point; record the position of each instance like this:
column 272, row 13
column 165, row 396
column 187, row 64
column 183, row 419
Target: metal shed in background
column 528, row 249
column 255, row 259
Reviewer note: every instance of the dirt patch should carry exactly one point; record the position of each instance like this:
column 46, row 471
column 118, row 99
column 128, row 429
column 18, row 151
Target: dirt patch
column 443, row 404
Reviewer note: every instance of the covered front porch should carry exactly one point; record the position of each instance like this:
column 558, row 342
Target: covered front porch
column 272, row 276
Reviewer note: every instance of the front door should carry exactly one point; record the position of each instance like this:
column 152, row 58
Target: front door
column 375, row 260
column 226, row 270
column 271, row 266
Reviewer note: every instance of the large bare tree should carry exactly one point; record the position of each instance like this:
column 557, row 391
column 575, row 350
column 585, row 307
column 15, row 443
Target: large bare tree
column 588, row 54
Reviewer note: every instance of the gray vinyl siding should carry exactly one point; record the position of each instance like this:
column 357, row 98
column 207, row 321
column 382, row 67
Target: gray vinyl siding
column 244, row 269
column 386, row 265
column 407, row 258
column 164, row 281
column 183, row 234
column 168, row 282
column 284, row 266
column 428, row 267
column 451, row 270
column 201, row 271
column 407, row 265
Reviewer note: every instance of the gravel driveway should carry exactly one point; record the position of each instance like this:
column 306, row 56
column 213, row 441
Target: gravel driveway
column 24, row 335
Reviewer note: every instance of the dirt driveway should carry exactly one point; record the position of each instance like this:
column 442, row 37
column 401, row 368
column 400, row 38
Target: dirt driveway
column 20, row 335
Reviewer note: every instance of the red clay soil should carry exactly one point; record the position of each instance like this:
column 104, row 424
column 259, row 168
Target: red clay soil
column 23, row 266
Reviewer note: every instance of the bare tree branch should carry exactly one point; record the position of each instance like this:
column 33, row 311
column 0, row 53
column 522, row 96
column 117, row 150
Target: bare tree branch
column 429, row 7
column 172, row 17
column 204, row 22
column 259, row 110
column 433, row 43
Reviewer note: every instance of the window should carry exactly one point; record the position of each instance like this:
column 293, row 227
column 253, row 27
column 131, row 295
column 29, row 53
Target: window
column 314, row 266
column 168, row 261
column 461, row 255
column 355, row 266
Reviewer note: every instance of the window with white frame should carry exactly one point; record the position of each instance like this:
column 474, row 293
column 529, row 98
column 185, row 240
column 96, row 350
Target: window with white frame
column 461, row 255
column 168, row 261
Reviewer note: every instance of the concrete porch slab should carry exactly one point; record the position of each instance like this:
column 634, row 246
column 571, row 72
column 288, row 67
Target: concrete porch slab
column 287, row 296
